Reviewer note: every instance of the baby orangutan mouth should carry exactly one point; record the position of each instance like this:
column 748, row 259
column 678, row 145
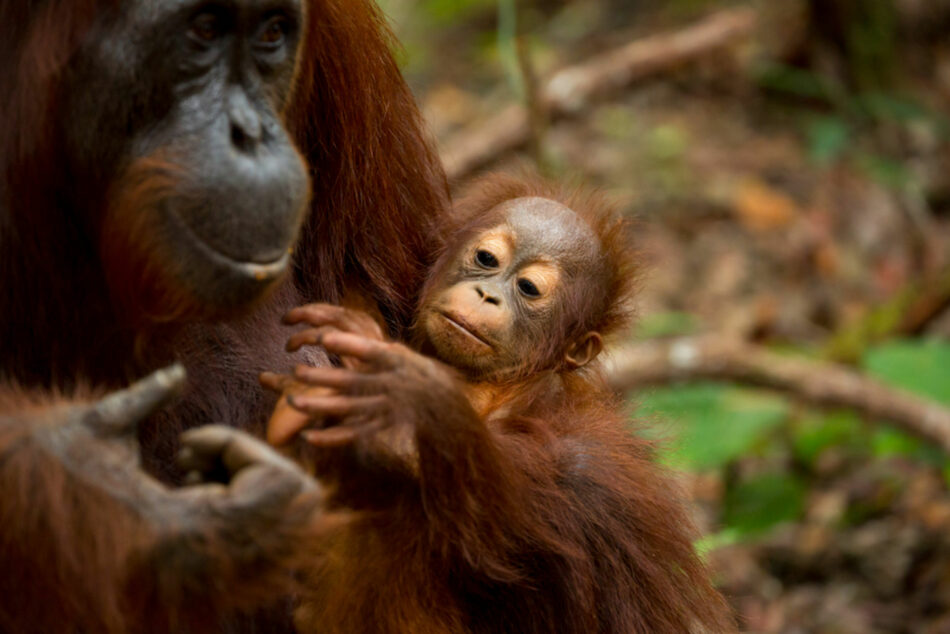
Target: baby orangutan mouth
column 462, row 326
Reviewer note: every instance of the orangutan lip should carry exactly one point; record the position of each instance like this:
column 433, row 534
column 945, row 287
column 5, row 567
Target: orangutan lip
column 259, row 271
column 461, row 325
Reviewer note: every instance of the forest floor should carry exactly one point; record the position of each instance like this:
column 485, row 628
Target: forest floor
column 770, row 212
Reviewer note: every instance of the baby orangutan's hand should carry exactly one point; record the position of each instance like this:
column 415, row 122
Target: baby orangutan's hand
column 321, row 319
column 290, row 418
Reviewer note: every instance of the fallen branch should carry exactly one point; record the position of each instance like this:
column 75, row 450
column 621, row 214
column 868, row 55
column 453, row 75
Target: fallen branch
column 571, row 89
column 813, row 382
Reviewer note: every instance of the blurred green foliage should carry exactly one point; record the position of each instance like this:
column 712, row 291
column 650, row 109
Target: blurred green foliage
column 421, row 26
column 442, row 12
column 713, row 424
column 759, row 503
column 852, row 121
column 920, row 366
column 815, row 432
column 667, row 324
column 870, row 39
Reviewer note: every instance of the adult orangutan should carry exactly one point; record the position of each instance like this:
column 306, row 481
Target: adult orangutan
column 494, row 485
column 156, row 206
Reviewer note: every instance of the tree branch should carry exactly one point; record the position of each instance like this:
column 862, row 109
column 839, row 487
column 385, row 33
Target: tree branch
column 571, row 89
column 813, row 382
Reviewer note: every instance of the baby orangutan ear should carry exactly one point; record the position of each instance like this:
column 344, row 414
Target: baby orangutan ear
column 584, row 350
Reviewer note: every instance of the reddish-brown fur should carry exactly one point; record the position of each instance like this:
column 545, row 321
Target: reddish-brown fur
column 67, row 547
column 75, row 555
column 43, row 508
column 540, row 510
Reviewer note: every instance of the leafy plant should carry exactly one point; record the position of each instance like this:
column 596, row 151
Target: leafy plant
column 755, row 505
column 921, row 366
column 828, row 139
column 814, row 433
column 850, row 116
column 712, row 424
column 667, row 324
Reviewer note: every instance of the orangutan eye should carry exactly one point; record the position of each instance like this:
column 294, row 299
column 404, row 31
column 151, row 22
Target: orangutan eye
column 205, row 27
column 485, row 259
column 273, row 33
column 527, row 288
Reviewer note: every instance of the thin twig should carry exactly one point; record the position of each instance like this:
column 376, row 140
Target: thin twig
column 537, row 111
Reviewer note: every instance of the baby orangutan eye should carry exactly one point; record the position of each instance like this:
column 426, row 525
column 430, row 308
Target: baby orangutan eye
column 485, row 259
column 527, row 288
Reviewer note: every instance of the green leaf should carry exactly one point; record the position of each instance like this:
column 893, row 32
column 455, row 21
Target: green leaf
column 886, row 171
column 919, row 366
column 813, row 434
column 667, row 325
column 758, row 504
column 886, row 107
column 667, row 142
column 452, row 11
column 887, row 442
column 827, row 139
column 796, row 82
column 712, row 424
column 708, row 543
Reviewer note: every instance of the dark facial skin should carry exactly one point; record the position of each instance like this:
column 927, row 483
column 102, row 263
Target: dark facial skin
column 505, row 291
column 190, row 93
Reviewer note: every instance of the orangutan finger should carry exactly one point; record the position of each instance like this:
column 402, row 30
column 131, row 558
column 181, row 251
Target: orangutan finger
column 227, row 446
column 331, row 437
column 337, row 405
column 308, row 337
column 346, row 319
column 340, row 435
column 275, row 382
column 119, row 413
column 377, row 354
column 285, row 423
column 343, row 380
column 316, row 314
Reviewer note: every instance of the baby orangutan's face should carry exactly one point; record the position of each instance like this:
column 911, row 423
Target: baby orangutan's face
column 499, row 301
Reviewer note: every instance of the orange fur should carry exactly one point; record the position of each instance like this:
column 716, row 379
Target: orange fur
column 523, row 506
column 68, row 265
column 45, row 506
column 546, row 516
column 356, row 122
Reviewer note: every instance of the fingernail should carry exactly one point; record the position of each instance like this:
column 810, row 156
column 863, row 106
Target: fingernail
column 295, row 403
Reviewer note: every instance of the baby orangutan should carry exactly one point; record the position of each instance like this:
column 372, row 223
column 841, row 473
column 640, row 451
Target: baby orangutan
column 493, row 481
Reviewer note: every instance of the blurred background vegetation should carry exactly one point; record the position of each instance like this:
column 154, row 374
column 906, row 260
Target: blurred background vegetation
column 791, row 185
